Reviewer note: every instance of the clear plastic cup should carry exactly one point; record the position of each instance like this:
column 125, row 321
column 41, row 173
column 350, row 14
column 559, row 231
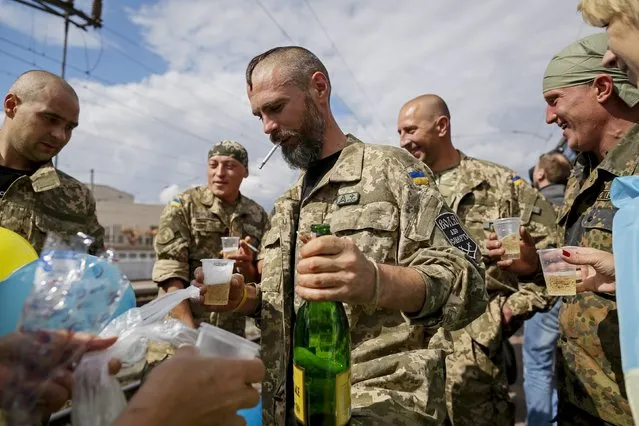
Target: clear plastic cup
column 560, row 277
column 230, row 245
column 507, row 230
column 217, row 280
column 215, row 342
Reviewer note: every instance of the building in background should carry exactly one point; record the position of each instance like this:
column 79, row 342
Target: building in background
column 129, row 229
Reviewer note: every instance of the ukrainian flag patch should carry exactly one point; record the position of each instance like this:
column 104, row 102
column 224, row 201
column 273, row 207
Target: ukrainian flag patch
column 175, row 202
column 418, row 177
column 517, row 180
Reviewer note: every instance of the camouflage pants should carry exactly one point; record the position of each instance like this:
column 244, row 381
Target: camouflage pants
column 476, row 384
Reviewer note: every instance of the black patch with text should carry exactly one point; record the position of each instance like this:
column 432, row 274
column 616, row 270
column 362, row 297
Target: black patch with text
column 449, row 224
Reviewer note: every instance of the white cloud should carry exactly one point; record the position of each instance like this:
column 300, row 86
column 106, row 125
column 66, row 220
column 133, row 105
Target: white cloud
column 485, row 59
column 168, row 193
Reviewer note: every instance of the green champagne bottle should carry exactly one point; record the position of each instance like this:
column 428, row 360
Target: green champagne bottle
column 322, row 361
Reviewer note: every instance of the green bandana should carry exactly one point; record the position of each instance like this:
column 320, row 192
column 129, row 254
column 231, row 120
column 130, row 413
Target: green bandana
column 230, row 149
column 580, row 63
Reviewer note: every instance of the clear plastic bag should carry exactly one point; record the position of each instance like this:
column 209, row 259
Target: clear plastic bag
column 72, row 292
column 97, row 397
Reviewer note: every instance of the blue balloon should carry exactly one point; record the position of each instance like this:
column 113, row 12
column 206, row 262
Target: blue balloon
column 15, row 289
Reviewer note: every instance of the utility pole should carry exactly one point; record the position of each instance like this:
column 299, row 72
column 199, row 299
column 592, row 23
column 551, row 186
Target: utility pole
column 92, row 178
column 66, row 9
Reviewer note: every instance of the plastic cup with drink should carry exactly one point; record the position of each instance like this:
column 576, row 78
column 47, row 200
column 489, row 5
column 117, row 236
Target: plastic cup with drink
column 560, row 276
column 507, row 230
column 217, row 280
column 230, row 246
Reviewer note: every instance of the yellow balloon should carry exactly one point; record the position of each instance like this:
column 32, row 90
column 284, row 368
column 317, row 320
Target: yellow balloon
column 15, row 252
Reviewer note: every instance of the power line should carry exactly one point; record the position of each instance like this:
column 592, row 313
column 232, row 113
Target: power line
column 283, row 31
column 125, row 38
column 137, row 93
column 90, row 68
column 117, row 174
column 137, row 160
column 122, row 36
column 348, row 68
column 195, row 94
column 144, row 113
column 129, row 144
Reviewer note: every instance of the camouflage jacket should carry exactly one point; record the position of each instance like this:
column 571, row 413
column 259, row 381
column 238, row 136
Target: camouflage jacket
column 50, row 201
column 394, row 218
column 191, row 228
column 192, row 225
column 479, row 191
column 589, row 365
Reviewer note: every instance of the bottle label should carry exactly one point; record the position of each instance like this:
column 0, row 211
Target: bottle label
column 299, row 394
column 343, row 397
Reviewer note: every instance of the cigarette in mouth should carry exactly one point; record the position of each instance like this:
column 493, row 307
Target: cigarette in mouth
column 270, row 153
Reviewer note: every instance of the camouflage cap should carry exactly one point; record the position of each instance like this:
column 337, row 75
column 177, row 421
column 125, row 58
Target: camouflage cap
column 230, row 149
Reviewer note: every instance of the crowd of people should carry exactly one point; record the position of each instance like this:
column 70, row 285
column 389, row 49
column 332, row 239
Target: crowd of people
column 430, row 298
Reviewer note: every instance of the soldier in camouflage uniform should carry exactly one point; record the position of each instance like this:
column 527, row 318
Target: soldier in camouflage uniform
column 41, row 110
column 405, row 268
column 193, row 223
column 598, row 109
column 479, row 191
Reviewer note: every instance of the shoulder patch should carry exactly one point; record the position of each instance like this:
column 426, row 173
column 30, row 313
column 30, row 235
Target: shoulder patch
column 449, row 224
column 418, row 177
column 175, row 202
column 517, row 180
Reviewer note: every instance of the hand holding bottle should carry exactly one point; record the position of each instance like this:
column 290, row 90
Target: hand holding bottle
column 334, row 269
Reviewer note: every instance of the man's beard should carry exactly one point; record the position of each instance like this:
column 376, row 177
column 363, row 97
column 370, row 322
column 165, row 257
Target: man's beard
column 304, row 146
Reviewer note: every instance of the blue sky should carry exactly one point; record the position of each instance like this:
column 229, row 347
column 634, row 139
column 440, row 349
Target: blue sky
column 166, row 77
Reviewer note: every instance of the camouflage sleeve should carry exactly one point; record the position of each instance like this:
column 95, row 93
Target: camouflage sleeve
column 172, row 244
column 529, row 299
column 95, row 230
column 539, row 218
column 435, row 243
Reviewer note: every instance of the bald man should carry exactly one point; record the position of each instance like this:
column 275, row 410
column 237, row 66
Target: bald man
column 41, row 110
column 478, row 192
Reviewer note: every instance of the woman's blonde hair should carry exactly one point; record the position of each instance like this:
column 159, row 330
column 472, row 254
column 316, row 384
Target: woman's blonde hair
column 600, row 12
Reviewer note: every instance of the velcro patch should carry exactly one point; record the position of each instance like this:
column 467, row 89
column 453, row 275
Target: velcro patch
column 517, row 180
column 347, row 199
column 449, row 224
column 418, row 177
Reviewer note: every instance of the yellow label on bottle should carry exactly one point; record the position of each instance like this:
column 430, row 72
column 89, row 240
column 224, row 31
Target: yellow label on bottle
column 343, row 397
column 299, row 394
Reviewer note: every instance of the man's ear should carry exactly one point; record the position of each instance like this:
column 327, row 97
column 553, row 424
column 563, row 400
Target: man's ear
column 604, row 86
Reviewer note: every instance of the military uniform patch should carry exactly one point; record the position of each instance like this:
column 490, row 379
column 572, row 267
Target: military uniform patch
column 449, row 224
column 418, row 177
column 175, row 202
column 517, row 180
column 347, row 199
